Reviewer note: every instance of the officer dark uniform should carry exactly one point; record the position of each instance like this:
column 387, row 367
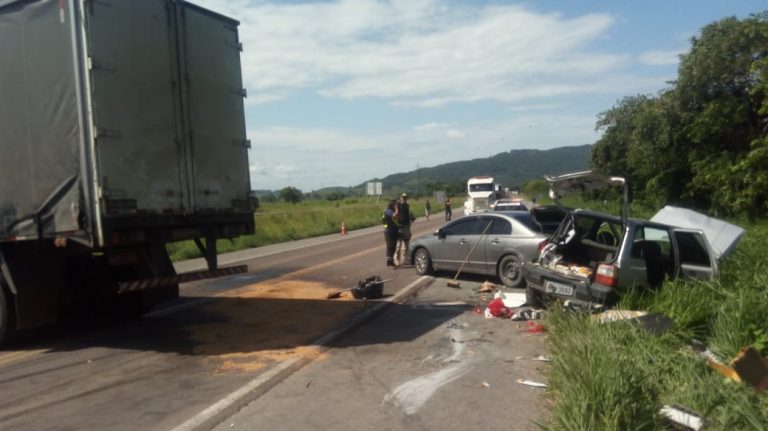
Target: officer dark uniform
column 391, row 231
column 404, row 219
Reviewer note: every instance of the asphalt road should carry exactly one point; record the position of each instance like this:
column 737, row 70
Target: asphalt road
column 433, row 363
column 172, row 368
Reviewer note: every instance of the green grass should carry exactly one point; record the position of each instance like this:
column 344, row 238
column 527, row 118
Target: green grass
column 281, row 222
column 616, row 376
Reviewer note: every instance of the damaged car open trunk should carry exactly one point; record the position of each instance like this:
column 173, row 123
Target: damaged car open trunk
column 592, row 257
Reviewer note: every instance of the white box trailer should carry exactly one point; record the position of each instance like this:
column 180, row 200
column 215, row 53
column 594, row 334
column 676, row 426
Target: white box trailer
column 121, row 129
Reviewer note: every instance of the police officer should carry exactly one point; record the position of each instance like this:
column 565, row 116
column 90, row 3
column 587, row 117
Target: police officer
column 391, row 231
column 404, row 217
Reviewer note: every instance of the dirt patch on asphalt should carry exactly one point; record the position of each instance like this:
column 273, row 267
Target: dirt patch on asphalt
column 269, row 322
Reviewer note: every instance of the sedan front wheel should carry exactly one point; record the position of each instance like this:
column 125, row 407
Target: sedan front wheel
column 422, row 261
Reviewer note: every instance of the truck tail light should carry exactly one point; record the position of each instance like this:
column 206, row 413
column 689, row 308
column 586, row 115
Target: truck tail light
column 607, row 275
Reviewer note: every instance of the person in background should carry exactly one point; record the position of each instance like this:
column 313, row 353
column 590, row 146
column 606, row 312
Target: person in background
column 447, row 209
column 403, row 217
column 427, row 209
column 391, row 231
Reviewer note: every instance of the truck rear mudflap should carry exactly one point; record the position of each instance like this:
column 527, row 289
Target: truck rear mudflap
column 565, row 287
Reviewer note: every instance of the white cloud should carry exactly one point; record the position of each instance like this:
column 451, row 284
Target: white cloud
column 424, row 53
column 660, row 58
column 454, row 134
column 430, row 127
column 447, row 63
column 440, row 129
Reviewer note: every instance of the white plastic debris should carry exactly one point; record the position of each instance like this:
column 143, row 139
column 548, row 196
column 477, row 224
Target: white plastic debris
column 510, row 299
column 531, row 383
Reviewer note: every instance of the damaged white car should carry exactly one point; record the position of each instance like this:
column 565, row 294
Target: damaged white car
column 592, row 257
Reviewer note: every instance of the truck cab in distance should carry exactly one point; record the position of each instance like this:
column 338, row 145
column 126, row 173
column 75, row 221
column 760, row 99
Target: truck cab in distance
column 482, row 192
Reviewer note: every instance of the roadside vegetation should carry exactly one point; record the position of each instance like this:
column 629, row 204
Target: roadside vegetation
column 702, row 144
column 617, row 376
column 282, row 221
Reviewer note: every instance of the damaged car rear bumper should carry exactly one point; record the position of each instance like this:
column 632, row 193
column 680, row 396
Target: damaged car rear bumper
column 566, row 287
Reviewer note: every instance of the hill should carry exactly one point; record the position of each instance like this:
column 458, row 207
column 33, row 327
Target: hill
column 510, row 169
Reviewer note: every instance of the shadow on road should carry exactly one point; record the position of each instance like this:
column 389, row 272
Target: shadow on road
column 248, row 323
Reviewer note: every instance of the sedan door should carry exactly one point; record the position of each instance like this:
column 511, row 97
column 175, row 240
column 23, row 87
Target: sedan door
column 497, row 240
column 459, row 239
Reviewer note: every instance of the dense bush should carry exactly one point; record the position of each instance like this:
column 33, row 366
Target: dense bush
column 704, row 141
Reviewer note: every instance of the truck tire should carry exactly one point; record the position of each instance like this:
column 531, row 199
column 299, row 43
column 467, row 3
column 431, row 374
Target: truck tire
column 510, row 271
column 7, row 318
column 422, row 261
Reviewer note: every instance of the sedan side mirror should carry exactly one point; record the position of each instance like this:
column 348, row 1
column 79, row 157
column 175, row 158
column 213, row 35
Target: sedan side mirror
column 439, row 233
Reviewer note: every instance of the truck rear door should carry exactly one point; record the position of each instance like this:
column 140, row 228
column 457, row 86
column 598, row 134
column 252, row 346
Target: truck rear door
column 138, row 152
column 219, row 149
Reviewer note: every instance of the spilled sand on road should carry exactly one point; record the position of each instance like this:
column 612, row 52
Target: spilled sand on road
column 269, row 322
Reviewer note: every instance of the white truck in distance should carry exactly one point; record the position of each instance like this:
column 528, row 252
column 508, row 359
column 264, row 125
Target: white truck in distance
column 481, row 194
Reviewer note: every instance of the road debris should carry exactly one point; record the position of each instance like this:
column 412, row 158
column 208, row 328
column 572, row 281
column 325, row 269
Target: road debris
column 496, row 308
column 531, row 383
column 615, row 315
column 541, row 358
column 683, row 417
column 534, row 328
column 747, row 367
column 486, row 287
column 656, row 323
column 527, row 314
column 370, row 288
column 510, row 299
column 485, row 385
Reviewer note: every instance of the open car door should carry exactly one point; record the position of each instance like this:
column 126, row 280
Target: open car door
column 697, row 260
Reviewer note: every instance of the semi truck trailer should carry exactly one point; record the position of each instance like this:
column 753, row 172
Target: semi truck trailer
column 121, row 129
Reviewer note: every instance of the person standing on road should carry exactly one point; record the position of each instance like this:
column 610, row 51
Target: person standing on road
column 427, row 209
column 447, row 209
column 404, row 217
column 390, row 231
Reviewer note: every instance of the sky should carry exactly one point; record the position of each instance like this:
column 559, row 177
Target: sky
column 341, row 92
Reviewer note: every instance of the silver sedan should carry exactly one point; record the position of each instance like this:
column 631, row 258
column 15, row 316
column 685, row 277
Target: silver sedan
column 491, row 243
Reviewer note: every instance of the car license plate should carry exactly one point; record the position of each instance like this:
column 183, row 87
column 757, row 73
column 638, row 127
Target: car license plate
column 558, row 288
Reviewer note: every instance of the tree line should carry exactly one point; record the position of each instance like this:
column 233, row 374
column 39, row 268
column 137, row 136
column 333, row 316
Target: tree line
column 703, row 141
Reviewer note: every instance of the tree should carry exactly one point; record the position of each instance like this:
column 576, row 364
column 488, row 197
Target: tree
column 268, row 198
column 722, row 118
column 255, row 201
column 609, row 154
column 291, row 195
column 704, row 141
